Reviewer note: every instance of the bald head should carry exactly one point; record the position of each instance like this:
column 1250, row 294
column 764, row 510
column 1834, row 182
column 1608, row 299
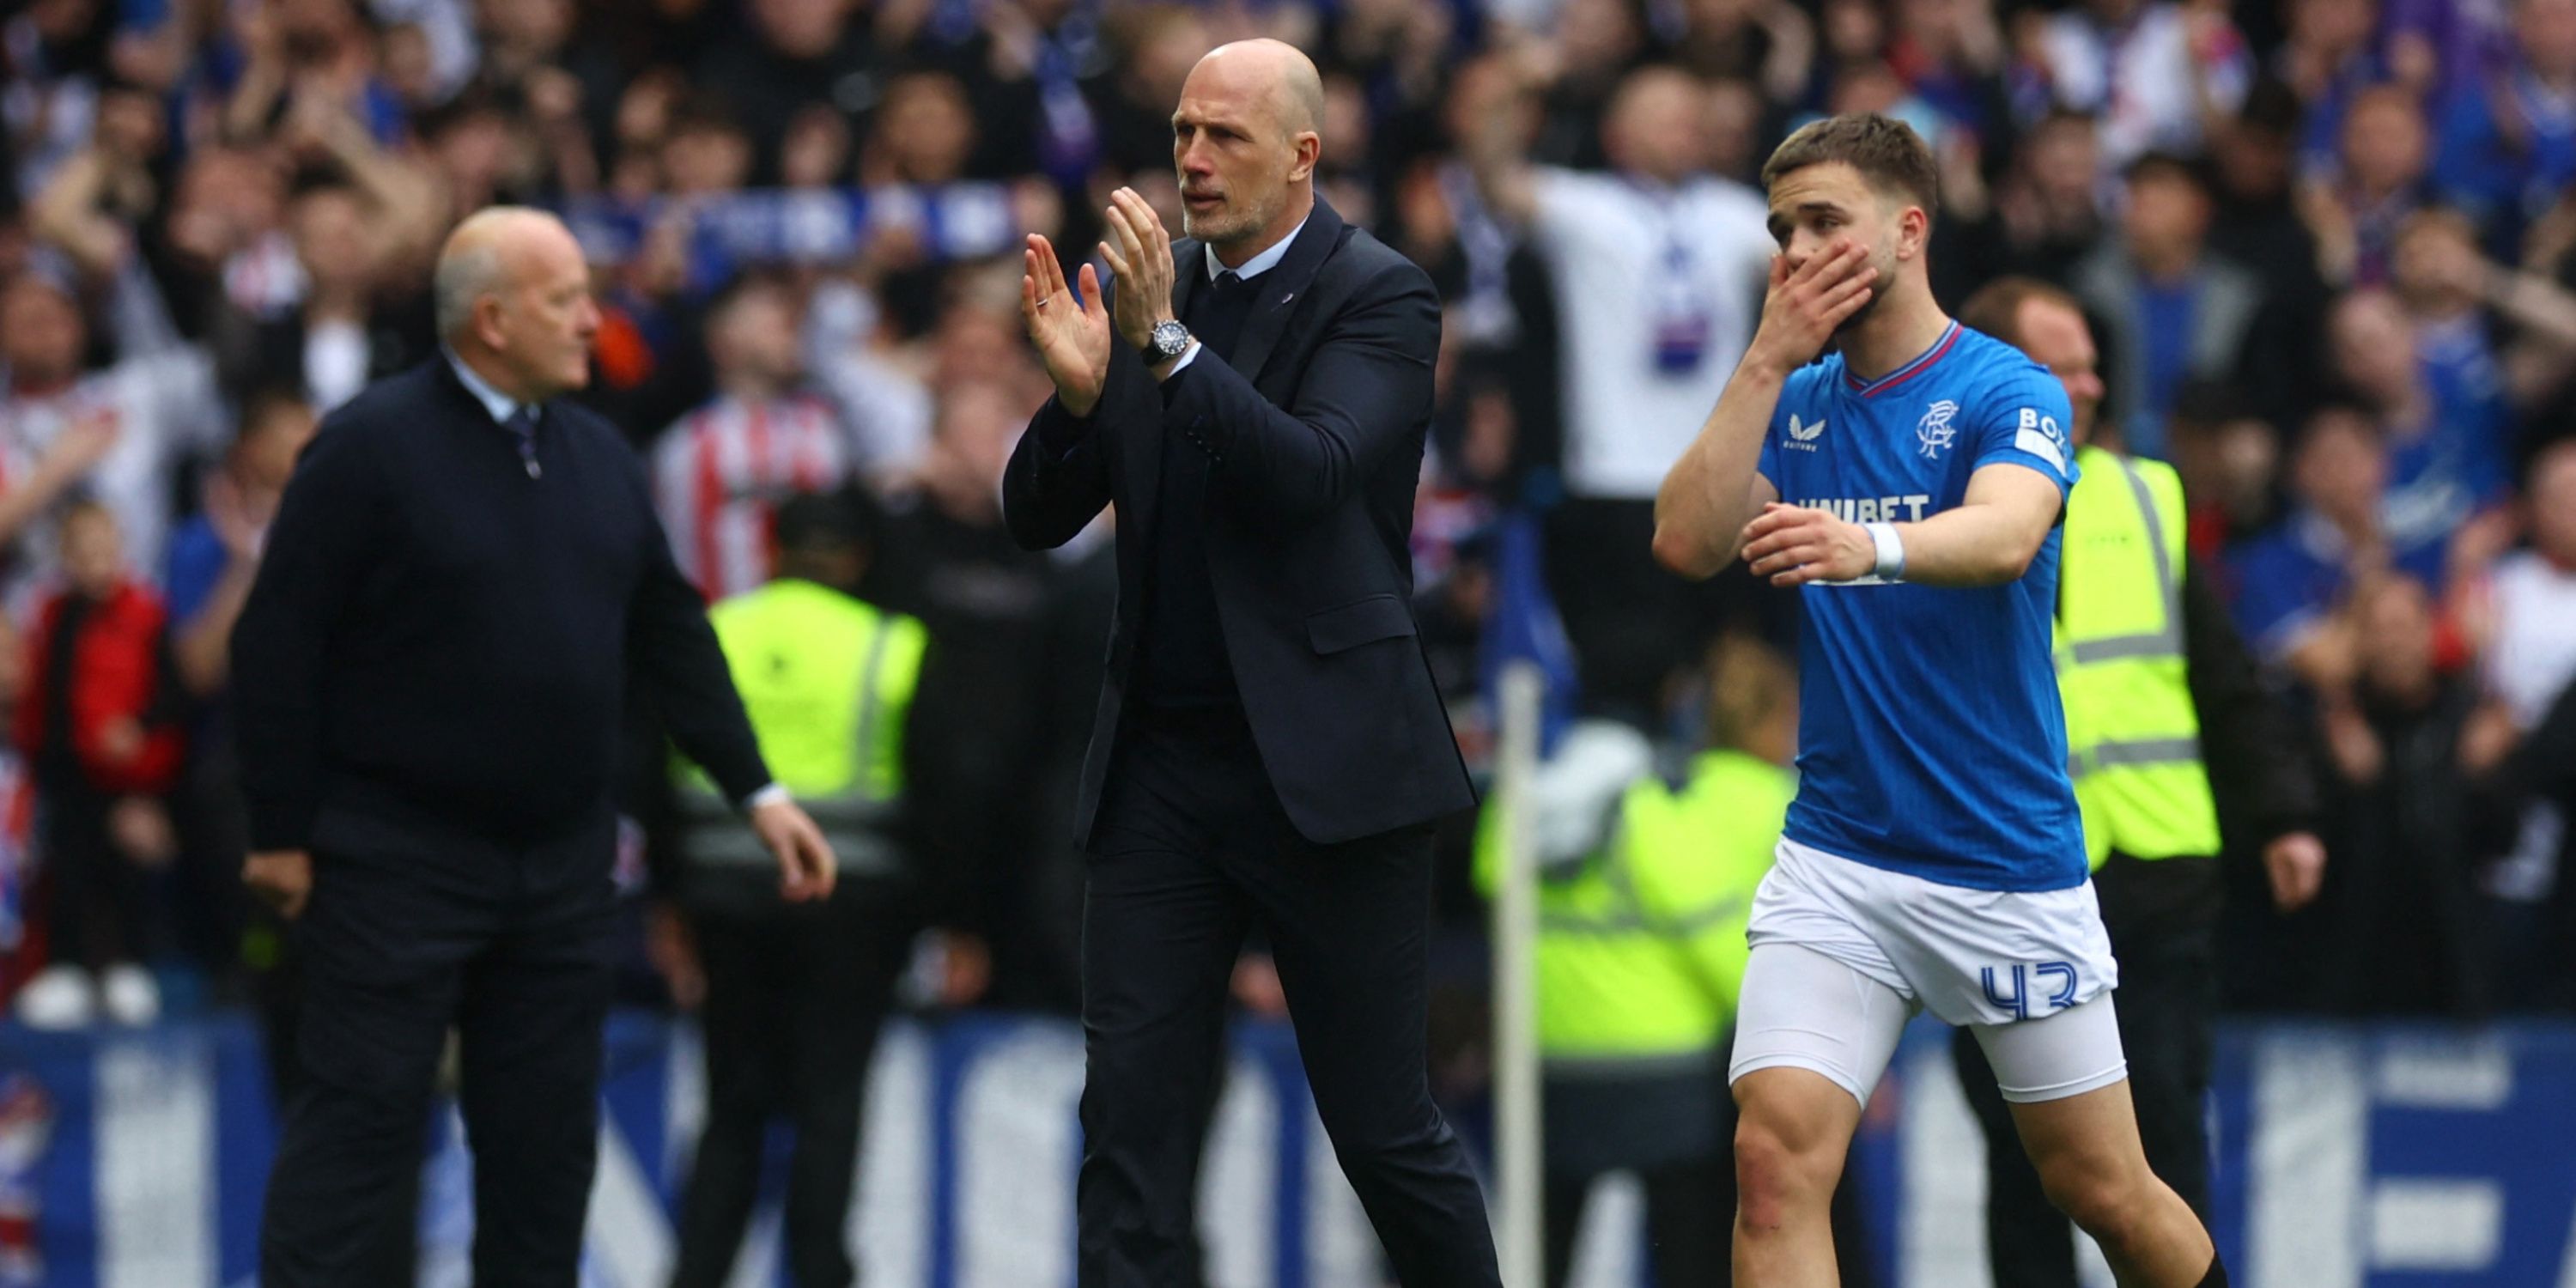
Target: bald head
column 512, row 297
column 1295, row 90
column 472, row 263
column 1245, row 140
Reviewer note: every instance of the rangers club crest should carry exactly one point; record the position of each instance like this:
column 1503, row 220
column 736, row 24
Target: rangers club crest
column 1935, row 430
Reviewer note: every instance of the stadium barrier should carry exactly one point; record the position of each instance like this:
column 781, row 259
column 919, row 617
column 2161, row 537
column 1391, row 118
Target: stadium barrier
column 2347, row 1157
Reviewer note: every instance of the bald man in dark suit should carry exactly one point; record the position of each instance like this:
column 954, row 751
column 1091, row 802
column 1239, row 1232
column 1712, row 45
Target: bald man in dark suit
column 1269, row 745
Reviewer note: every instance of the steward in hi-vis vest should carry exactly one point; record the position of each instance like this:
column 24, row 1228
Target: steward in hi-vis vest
column 793, row 993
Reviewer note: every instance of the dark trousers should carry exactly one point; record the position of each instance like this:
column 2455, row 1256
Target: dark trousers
column 1191, row 846
column 795, row 997
column 2168, row 990
column 1689, row 1210
column 100, row 901
column 512, row 949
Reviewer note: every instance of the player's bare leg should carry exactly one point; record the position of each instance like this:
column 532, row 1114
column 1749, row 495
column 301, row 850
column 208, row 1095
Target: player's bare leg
column 1792, row 1129
column 2094, row 1168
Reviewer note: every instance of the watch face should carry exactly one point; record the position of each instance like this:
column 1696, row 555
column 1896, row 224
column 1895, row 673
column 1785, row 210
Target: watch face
column 1170, row 338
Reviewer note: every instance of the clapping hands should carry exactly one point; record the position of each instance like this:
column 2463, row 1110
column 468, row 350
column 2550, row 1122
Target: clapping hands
column 1072, row 336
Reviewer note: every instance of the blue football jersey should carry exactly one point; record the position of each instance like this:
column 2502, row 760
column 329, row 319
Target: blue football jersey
column 1930, row 738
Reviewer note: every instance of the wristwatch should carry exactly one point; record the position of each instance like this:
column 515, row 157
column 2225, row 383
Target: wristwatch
column 1168, row 342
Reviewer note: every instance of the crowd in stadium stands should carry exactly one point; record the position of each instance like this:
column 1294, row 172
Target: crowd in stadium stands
column 2328, row 248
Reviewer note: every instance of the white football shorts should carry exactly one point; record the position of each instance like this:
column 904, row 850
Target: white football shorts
column 1843, row 953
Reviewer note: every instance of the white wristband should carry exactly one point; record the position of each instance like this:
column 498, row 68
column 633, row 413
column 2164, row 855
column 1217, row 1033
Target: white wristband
column 1891, row 551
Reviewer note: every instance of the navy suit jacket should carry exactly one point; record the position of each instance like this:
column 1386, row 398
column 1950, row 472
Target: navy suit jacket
column 1314, row 434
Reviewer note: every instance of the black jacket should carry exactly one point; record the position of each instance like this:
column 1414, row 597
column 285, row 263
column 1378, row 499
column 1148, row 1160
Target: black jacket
column 1314, row 436
column 2260, row 776
column 2261, row 779
column 440, row 643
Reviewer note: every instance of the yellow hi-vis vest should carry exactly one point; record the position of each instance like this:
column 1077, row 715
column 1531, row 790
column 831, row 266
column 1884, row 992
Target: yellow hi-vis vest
column 2132, row 734
column 1641, row 948
column 827, row 681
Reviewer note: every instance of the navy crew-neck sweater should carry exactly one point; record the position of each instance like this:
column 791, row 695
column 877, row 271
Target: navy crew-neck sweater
column 440, row 633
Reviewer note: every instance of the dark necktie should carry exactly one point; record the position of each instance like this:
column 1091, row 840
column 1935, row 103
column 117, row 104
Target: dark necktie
column 1218, row 313
column 522, row 425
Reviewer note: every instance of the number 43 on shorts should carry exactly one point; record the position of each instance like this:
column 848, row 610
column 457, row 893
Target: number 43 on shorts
column 2024, row 978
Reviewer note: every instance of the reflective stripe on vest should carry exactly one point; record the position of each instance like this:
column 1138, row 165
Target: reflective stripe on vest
column 826, row 680
column 2133, row 735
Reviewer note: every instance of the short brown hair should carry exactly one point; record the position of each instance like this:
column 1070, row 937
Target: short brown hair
column 1887, row 152
column 1996, row 307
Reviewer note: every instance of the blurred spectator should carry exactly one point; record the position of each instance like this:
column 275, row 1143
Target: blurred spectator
column 89, row 204
column 216, row 551
column 1133, row 97
column 2229, row 460
column 2153, row 70
column 2528, row 623
column 1772, row 44
column 2330, row 55
column 990, row 698
column 2438, row 275
column 885, row 403
column 924, row 133
column 2507, row 142
column 213, row 559
column 2289, row 580
column 2357, row 207
column 55, row 62
column 2457, row 298
column 1737, row 117
column 1950, row 54
column 2170, row 308
column 1499, row 305
column 1659, row 268
column 703, row 153
column 2448, row 431
column 220, row 250
column 1385, row 65
column 346, row 331
column 2402, row 933
column 719, row 474
column 17, row 819
column 122, row 432
column 104, row 749
column 2522, row 615
column 2256, row 218
column 1594, row 45
column 788, row 54
column 2044, row 216
column 296, row 58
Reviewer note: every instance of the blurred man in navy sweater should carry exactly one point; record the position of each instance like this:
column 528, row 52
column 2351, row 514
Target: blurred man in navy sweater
column 464, row 577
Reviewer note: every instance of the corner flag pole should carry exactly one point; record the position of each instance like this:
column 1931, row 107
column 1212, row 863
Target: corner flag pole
column 1517, row 1149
